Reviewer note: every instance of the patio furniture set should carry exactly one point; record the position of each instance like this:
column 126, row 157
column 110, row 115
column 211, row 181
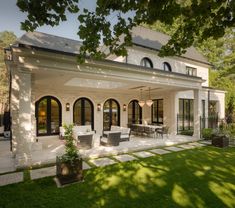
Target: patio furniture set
column 85, row 135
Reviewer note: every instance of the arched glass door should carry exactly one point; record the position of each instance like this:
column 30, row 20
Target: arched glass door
column 48, row 116
column 83, row 112
column 111, row 114
column 134, row 113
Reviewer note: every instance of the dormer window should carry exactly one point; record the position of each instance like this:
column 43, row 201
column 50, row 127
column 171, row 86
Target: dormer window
column 191, row 71
column 167, row 66
column 146, row 62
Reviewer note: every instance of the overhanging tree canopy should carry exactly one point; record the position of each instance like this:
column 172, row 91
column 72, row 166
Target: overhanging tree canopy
column 199, row 19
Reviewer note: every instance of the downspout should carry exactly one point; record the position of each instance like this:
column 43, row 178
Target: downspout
column 8, row 57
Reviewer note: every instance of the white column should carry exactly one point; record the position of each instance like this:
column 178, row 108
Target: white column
column 170, row 110
column 197, row 113
column 24, row 137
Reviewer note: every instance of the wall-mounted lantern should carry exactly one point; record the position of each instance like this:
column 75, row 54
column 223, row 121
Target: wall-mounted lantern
column 67, row 107
column 124, row 107
column 98, row 107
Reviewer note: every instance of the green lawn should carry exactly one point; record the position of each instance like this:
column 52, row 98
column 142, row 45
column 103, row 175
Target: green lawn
column 203, row 177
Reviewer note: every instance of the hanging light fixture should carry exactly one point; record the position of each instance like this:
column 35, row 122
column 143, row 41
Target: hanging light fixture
column 141, row 102
column 149, row 102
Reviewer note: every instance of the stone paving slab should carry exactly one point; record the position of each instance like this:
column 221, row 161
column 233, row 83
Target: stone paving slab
column 42, row 172
column 100, row 162
column 208, row 142
column 85, row 166
column 11, row 178
column 49, row 171
column 143, row 154
column 174, row 149
column 124, row 158
column 159, row 151
column 196, row 144
column 187, row 146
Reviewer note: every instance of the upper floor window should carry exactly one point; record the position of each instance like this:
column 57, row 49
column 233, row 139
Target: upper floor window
column 167, row 66
column 191, row 71
column 146, row 62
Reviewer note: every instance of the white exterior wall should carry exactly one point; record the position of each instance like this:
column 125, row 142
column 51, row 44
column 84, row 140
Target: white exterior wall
column 135, row 55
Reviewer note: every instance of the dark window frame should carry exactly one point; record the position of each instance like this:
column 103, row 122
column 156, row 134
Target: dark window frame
column 145, row 60
column 157, row 122
column 133, row 113
column 110, row 112
column 167, row 66
column 48, row 127
column 191, row 71
column 189, row 119
column 83, row 99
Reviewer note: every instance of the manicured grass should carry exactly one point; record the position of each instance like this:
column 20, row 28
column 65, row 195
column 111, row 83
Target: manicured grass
column 203, row 177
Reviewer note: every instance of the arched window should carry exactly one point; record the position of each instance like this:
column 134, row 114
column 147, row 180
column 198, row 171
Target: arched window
column 167, row 66
column 146, row 62
column 111, row 114
column 134, row 113
column 83, row 112
column 48, row 116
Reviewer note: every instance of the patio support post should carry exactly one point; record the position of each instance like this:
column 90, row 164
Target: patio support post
column 197, row 113
column 21, row 86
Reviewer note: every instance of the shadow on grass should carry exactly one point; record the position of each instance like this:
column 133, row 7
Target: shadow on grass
column 203, row 177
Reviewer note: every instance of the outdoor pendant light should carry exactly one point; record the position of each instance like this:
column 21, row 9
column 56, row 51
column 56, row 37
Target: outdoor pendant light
column 149, row 102
column 141, row 102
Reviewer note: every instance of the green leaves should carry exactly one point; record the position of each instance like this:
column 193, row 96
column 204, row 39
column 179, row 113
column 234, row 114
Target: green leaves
column 200, row 20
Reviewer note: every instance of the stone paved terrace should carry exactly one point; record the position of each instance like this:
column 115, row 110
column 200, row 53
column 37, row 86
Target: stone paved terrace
column 53, row 147
column 104, row 161
column 7, row 162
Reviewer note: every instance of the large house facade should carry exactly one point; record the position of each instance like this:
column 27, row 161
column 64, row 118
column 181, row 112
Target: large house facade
column 49, row 88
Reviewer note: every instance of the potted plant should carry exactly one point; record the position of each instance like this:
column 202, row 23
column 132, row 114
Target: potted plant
column 220, row 138
column 69, row 165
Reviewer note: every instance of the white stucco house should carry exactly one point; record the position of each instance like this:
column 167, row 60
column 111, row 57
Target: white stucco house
column 48, row 88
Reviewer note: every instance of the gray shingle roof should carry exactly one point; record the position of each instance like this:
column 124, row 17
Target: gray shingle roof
column 51, row 42
column 140, row 35
column 155, row 40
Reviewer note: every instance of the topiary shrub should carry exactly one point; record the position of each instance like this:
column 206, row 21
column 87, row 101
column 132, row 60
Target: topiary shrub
column 207, row 133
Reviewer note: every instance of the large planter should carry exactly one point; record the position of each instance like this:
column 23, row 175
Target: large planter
column 68, row 173
column 220, row 141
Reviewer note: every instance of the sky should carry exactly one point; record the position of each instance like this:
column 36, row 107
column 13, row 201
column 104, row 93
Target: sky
column 11, row 16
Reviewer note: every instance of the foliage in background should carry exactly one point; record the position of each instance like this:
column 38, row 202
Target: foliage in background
column 200, row 20
column 6, row 38
column 221, row 54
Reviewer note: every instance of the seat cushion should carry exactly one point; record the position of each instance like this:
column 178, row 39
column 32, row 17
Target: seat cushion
column 104, row 139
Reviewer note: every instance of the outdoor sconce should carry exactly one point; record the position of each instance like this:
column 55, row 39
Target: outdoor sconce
column 99, row 107
column 124, row 107
column 67, row 106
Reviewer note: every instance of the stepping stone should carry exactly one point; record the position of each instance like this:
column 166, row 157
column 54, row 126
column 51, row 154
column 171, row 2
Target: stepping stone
column 11, row 178
column 159, row 151
column 187, row 146
column 42, row 172
column 143, row 154
column 100, row 162
column 85, row 166
column 197, row 144
column 205, row 142
column 174, row 149
column 124, row 158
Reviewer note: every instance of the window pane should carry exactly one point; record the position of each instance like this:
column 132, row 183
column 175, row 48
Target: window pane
column 114, row 113
column 88, row 112
column 106, row 117
column 154, row 111
column 55, row 117
column 160, row 111
column 78, row 113
column 42, row 116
